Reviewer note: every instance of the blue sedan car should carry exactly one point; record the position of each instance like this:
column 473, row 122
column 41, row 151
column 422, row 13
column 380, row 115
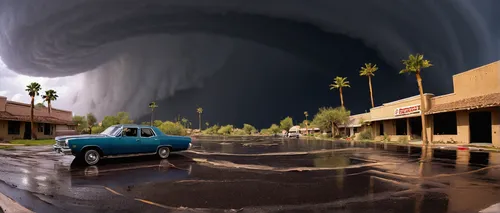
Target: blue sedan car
column 121, row 141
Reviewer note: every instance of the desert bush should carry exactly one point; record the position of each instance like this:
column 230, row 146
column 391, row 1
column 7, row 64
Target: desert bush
column 171, row 128
column 366, row 134
column 403, row 139
column 211, row 130
column 239, row 132
column 225, row 130
column 385, row 138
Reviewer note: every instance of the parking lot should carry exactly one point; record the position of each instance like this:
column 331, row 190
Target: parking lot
column 258, row 175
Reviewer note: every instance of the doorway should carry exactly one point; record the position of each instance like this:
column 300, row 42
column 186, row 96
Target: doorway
column 416, row 127
column 27, row 130
column 480, row 127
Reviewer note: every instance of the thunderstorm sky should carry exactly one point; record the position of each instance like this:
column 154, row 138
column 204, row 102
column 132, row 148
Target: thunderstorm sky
column 242, row 61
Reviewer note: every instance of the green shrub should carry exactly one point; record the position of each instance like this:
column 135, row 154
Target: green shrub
column 225, row 130
column 249, row 129
column 171, row 128
column 211, row 130
column 403, row 139
column 239, row 132
column 266, row 132
column 386, row 138
column 366, row 134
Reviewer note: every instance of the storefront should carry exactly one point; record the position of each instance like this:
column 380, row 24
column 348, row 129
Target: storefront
column 471, row 114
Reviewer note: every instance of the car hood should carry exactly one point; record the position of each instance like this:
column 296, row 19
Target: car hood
column 59, row 138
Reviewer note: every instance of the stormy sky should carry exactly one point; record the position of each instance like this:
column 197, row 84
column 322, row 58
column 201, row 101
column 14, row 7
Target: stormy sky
column 242, row 61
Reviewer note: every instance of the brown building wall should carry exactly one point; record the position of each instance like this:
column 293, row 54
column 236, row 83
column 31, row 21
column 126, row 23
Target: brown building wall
column 387, row 109
column 4, row 136
column 480, row 81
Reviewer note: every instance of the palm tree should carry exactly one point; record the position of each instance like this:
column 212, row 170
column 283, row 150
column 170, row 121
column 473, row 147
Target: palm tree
column 184, row 122
column 415, row 64
column 50, row 95
column 369, row 70
column 33, row 90
column 306, row 114
column 152, row 105
column 339, row 83
column 199, row 111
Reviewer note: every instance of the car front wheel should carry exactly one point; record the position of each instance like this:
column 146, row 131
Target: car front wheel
column 163, row 152
column 91, row 157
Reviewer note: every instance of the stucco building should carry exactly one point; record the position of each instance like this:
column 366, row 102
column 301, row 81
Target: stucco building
column 15, row 121
column 471, row 114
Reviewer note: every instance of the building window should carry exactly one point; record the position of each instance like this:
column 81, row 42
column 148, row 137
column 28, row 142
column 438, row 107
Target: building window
column 40, row 127
column 356, row 129
column 47, row 129
column 445, row 123
column 14, row 127
column 401, row 126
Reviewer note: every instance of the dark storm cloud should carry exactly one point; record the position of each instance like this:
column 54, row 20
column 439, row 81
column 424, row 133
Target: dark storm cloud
column 136, row 51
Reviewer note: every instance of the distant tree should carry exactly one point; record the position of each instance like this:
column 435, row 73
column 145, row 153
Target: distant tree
column 39, row 105
column 306, row 114
column 286, row 123
column 50, row 95
column 120, row 118
column 91, row 122
column 339, row 83
column 152, row 106
column 81, row 123
column 146, row 123
column 199, row 111
column 275, row 129
column 33, row 90
column 415, row 64
column 97, row 129
column 249, row 129
column 239, row 132
column 184, row 122
column 331, row 118
column 110, row 121
column 369, row 71
column 123, row 118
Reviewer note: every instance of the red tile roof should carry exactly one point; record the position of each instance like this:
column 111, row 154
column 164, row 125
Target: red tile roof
column 38, row 119
column 483, row 101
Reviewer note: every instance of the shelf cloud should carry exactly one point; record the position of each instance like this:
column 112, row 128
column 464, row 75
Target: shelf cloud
column 185, row 54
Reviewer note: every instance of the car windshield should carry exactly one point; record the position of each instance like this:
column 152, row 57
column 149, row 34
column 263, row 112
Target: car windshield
column 112, row 131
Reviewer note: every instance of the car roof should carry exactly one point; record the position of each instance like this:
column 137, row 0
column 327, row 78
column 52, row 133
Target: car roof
column 133, row 125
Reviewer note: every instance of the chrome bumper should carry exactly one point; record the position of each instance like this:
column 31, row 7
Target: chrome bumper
column 190, row 145
column 60, row 149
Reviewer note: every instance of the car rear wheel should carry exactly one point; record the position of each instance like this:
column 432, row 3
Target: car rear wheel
column 164, row 152
column 91, row 157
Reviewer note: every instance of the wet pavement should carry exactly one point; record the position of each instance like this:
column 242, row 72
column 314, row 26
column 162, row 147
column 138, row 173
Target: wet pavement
column 258, row 175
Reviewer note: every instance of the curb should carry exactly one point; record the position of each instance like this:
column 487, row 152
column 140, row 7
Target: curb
column 10, row 206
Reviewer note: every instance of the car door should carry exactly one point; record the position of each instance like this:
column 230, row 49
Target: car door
column 129, row 142
column 149, row 140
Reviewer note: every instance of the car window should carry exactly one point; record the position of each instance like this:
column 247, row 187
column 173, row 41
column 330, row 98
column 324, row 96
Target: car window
column 147, row 132
column 130, row 132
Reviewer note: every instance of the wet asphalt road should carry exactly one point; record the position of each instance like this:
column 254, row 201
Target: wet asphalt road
column 258, row 175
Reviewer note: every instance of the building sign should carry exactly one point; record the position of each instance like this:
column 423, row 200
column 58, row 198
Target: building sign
column 415, row 109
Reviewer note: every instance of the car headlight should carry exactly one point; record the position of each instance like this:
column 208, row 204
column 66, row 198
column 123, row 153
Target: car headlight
column 66, row 142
